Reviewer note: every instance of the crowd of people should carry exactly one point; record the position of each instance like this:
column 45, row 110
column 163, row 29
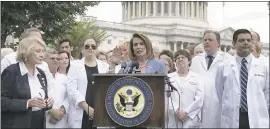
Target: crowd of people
column 48, row 88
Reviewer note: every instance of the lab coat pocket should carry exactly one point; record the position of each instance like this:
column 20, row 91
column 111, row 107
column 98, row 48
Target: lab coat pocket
column 225, row 122
column 195, row 123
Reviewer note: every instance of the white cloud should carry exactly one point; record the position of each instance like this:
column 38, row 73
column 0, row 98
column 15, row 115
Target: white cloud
column 248, row 15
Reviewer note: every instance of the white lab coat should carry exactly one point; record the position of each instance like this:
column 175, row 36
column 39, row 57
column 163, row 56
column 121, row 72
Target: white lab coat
column 191, row 99
column 77, row 86
column 229, row 93
column 264, row 59
column 60, row 98
column 211, row 107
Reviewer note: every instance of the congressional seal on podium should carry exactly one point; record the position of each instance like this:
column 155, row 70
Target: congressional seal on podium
column 129, row 101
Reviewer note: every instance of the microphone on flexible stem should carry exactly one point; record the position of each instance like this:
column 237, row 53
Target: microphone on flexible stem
column 123, row 67
column 131, row 66
column 135, row 65
column 168, row 82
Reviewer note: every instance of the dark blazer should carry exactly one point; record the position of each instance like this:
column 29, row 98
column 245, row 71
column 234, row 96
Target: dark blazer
column 15, row 92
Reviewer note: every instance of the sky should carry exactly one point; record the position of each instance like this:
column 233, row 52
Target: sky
column 249, row 15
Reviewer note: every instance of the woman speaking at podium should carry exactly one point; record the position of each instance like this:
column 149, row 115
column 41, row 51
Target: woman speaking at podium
column 80, row 86
column 141, row 51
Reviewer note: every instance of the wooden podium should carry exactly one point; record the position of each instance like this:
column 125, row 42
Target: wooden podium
column 156, row 83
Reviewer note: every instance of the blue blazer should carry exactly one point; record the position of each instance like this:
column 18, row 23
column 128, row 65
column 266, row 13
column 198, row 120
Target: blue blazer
column 155, row 66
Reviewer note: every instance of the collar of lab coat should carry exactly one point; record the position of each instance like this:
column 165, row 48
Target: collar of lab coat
column 254, row 64
column 248, row 58
column 103, row 67
column 220, row 56
column 174, row 76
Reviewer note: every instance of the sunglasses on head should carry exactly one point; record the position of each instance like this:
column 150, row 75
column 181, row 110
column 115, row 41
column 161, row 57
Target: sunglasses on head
column 87, row 46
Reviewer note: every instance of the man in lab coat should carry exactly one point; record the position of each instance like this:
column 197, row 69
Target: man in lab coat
column 257, row 41
column 57, row 116
column 205, row 64
column 242, row 84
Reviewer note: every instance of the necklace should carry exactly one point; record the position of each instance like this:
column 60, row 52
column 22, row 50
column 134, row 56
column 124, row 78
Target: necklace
column 143, row 66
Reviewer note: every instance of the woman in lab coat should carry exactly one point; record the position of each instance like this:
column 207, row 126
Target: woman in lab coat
column 187, row 114
column 80, row 86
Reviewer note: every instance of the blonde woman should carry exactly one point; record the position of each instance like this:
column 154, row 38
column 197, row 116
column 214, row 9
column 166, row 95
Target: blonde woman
column 24, row 90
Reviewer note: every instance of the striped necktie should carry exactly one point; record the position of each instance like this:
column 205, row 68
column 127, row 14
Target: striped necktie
column 243, row 82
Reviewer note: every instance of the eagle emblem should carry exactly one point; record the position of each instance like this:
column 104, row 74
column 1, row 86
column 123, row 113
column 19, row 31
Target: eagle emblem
column 127, row 102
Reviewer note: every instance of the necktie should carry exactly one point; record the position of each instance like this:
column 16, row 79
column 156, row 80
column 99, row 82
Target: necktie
column 209, row 61
column 243, row 83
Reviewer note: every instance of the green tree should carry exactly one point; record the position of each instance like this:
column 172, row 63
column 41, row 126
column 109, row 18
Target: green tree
column 82, row 30
column 54, row 18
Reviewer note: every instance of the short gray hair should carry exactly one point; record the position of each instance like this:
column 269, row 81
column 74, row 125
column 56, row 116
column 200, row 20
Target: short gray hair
column 199, row 46
column 50, row 51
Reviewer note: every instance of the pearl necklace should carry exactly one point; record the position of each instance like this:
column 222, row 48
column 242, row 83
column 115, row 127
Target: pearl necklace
column 143, row 66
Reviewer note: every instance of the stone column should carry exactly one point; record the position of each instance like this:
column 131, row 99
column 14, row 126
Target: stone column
column 182, row 8
column 133, row 8
column 177, row 8
column 192, row 9
column 205, row 11
column 186, row 9
column 154, row 8
column 182, row 45
column 146, row 9
column 197, row 9
column 162, row 8
column 201, row 10
column 140, row 8
column 175, row 46
column 170, row 9
column 123, row 11
column 128, row 11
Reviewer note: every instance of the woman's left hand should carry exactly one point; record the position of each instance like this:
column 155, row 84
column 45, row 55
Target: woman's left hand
column 49, row 102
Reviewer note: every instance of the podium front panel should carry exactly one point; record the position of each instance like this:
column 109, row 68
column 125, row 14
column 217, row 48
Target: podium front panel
column 104, row 81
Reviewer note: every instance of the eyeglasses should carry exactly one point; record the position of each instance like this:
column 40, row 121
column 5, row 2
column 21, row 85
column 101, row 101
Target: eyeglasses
column 87, row 46
column 53, row 58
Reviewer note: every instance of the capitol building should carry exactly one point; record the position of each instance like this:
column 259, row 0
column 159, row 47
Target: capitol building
column 169, row 25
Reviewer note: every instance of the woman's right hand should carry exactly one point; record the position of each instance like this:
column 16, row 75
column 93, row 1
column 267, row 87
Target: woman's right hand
column 116, row 56
column 90, row 112
column 36, row 102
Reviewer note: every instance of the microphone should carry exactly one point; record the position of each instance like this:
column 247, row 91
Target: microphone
column 123, row 67
column 168, row 82
column 132, row 65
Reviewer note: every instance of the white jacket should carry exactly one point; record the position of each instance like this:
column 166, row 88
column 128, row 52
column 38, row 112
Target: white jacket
column 191, row 99
column 60, row 98
column 228, row 90
column 211, row 107
column 77, row 86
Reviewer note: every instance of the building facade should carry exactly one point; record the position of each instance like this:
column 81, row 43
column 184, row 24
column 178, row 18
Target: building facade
column 169, row 25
